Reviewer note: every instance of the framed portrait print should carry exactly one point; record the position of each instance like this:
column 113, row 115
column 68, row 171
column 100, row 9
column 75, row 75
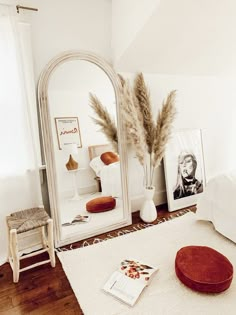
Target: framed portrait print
column 184, row 169
column 68, row 131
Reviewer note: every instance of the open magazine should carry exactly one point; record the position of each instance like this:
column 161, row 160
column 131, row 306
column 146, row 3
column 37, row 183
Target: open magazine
column 129, row 280
column 78, row 219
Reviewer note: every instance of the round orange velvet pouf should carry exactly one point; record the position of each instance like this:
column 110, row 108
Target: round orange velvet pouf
column 101, row 204
column 203, row 269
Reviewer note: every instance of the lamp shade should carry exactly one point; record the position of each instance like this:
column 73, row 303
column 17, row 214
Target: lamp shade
column 74, row 149
column 71, row 148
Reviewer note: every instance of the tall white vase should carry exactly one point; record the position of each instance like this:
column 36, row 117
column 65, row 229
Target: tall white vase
column 148, row 212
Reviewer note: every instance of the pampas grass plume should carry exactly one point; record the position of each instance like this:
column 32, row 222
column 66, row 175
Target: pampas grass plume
column 163, row 128
column 143, row 96
column 133, row 122
column 106, row 123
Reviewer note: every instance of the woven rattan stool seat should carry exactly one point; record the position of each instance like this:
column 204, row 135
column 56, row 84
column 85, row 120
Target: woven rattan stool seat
column 24, row 221
column 27, row 220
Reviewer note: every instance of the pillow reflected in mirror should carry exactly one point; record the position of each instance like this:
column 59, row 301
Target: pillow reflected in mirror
column 109, row 158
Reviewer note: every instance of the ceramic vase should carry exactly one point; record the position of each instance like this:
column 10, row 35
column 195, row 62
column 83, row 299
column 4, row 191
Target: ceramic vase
column 148, row 212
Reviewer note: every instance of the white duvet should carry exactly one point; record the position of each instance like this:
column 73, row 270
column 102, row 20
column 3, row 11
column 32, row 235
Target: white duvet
column 218, row 204
column 111, row 180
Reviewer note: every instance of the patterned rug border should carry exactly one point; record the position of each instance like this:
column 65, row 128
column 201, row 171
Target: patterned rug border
column 131, row 229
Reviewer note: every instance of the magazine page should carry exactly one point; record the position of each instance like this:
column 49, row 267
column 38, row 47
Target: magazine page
column 78, row 219
column 137, row 270
column 129, row 280
column 81, row 218
column 124, row 288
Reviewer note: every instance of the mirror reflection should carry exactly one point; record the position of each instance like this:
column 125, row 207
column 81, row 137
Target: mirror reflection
column 87, row 168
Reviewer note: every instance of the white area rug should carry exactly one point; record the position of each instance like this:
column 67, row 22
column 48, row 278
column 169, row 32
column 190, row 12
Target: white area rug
column 88, row 269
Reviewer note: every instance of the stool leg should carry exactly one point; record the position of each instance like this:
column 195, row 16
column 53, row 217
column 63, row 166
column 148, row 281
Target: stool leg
column 8, row 244
column 43, row 237
column 15, row 255
column 51, row 251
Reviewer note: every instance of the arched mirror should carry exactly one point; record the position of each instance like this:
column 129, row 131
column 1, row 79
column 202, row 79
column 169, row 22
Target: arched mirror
column 82, row 177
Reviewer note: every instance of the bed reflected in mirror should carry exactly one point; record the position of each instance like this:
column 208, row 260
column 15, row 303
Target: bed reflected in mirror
column 83, row 167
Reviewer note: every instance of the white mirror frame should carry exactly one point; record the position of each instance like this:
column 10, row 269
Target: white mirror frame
column 46, row 126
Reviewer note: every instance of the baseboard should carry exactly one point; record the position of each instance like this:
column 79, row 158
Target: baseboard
column 81, row 191
column 87, row 189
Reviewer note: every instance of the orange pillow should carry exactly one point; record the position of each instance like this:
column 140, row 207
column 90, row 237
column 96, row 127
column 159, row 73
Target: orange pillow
column 109, row 157
column 101, row 204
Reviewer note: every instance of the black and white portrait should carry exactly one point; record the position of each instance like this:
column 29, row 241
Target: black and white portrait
column 184, row 169
column 187, row 184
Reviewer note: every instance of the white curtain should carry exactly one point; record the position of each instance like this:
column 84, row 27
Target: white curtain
column 19, row 157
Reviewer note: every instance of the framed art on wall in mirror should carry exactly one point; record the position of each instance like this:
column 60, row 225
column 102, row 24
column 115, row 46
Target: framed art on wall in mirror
column 68, row 131
column 184, row 169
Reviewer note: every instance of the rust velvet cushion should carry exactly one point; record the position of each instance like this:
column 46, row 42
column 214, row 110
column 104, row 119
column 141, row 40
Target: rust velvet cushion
column 203, row 269
column 109, row 157
column 101, row 204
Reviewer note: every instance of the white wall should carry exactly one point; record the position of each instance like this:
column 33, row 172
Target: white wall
column 61, row 25
column 206, row 103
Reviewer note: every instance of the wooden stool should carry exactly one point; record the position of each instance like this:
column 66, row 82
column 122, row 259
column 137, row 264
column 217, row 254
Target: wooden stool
column 23, row 221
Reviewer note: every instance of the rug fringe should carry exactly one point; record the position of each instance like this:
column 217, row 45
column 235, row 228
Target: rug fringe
column 135, row 228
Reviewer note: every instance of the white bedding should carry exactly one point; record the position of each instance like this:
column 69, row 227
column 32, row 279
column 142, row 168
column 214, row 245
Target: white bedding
column 110, row 176
column 218, row 204
column 111, row 180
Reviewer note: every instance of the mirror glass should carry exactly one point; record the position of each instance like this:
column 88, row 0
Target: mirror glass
column 74, row 144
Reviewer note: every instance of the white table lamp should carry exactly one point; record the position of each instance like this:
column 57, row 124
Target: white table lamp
column 73, row 166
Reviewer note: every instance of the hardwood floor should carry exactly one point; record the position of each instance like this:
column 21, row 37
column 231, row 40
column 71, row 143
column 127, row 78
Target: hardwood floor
column 46, row 290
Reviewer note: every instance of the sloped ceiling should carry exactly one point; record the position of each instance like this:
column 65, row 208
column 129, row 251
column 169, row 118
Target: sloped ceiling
column 186, row 37
column 128, row 18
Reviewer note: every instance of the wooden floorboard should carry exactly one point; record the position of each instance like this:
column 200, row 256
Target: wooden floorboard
column 46, row 290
